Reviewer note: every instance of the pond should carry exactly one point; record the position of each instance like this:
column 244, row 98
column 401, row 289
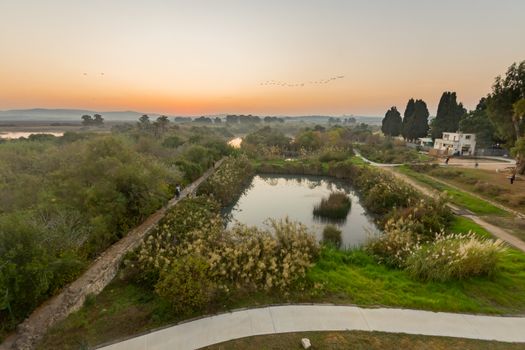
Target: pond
column 278, row 196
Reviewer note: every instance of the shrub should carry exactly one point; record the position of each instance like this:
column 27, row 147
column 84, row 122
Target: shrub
column 336, row 206
column 332, row 236
column 396, row 244
column 427, row 215
column 455, row 256
column 334, row 155
column 243, row 257
column 490, row 189
column 186, row 284
column 228, row 182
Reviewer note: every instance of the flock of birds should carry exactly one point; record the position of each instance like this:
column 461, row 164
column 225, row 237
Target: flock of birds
column 314, row 82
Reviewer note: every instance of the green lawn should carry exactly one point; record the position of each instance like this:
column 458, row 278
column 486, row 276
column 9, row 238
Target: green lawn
column 360, row 340
column 460, row 198
column 463, row 225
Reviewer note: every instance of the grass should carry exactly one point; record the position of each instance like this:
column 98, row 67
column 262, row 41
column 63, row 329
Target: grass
column 345, row 277
column 461, row 224
column 336, row 206
column 492, row 185
column 360, row 340
column 460, row 198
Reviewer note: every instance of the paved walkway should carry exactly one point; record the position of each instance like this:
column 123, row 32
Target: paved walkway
column 304, row 318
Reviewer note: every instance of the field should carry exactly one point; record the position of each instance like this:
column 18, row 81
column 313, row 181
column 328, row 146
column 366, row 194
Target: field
column 359, row 340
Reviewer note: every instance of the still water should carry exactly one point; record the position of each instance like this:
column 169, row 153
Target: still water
column 278, row 196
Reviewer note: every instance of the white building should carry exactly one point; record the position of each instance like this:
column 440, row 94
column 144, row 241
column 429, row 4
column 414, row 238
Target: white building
column 456, row 143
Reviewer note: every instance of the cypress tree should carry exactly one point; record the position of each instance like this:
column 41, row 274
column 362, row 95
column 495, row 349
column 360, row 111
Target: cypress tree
column 407, row 119
column 448, row 115
column 392, row 122
column 415, row 121
column 420, row 119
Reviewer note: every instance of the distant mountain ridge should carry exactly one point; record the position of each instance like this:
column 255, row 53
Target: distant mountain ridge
column 62, row 115
column 43, row 114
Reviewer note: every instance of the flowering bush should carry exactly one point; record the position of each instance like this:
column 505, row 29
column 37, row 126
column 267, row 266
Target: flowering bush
column 455, row 256
column 191, row 248
column 186, row 284
column 445, row 257
column 384, row 193
column 397, row 242
column 227, row 183
column 160, row 247
column 427, row 216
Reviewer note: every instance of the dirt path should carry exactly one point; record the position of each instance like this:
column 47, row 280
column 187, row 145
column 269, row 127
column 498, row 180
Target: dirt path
column 496, row 204
column 92, row 281
column 494, row 230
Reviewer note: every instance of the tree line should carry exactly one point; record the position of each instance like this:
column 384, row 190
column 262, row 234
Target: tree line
column 499, row 117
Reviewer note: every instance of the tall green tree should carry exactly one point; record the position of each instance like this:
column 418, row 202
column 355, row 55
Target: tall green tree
column 392, row 122
column 478, row 122
column 448, row 115
column 415, row 121
column 407, row 118
column 503, row 109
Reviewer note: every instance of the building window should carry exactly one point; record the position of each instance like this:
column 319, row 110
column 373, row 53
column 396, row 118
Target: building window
column 467, row 137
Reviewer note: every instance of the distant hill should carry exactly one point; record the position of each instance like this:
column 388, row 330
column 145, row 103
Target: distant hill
column 67, row 115
column 41, row 114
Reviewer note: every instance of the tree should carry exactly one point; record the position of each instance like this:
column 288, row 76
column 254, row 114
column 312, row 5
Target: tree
column 421, row 119
column 217, row 120
column 161, row 125
column 415, row 121
column 87, row 120
column 144, row 123
column 503, row 108
column 407, row 118
column 448, row 115
column 478, row 122
column 98, row 120
column 206, row 120
column 392, row 123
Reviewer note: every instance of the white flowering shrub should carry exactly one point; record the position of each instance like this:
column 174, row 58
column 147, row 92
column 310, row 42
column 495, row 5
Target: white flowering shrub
column 190, row 258
column 247, row 257
column 396, row 244
column 455, row 256
column 227, row 183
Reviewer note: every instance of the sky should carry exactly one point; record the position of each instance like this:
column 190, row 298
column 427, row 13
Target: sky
column 200, row 57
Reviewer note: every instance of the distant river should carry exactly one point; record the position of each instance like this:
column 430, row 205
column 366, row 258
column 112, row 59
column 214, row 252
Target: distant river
column 19, row 134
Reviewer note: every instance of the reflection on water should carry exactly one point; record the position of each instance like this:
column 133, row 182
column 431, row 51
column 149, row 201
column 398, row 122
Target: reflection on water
column 18, row 134
column 278, row 196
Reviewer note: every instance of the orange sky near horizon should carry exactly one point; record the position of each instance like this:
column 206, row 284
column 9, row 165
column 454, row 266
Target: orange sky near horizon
column 209, row 57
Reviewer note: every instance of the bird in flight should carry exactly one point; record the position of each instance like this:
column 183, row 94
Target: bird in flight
column 301, row 84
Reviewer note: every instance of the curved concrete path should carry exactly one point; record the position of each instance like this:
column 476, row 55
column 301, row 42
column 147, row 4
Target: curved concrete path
column 303, row 318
